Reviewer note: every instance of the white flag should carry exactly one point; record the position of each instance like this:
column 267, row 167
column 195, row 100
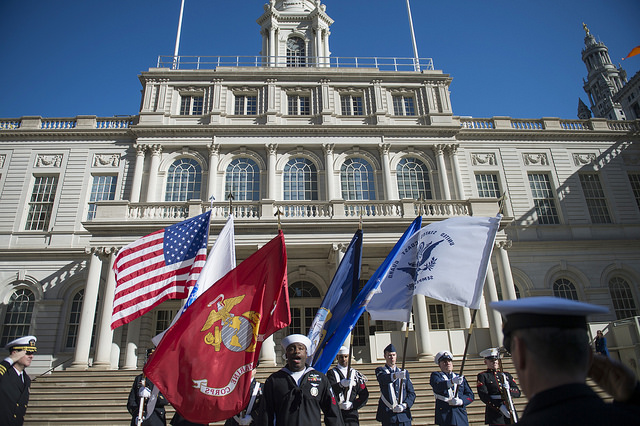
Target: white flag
column 221, row 260
column 445, row 260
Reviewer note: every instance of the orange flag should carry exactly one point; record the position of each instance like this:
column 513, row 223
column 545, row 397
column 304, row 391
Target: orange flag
column 635, row 51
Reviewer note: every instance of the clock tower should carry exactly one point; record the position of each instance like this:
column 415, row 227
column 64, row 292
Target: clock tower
column 295, row 33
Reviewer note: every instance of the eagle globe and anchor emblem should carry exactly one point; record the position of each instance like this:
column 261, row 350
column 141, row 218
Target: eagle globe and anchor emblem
column 237, row 332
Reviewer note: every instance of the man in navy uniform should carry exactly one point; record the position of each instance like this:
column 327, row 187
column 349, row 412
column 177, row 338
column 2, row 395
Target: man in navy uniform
column 396, row 391
column 153, row 412
column 15, row 383
column 491, row 384
column 452, row 392
column 547, row 338
column 297, row 394
column 351, row 392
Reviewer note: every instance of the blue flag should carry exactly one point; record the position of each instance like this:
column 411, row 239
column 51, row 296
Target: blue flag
column 332, row 342
column 341, row 294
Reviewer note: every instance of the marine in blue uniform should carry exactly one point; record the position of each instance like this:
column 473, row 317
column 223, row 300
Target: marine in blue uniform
column 491, row 383
column 15, row 383
column 351, row 393
column 452, row 392
column 547, row 338
column 396, row 391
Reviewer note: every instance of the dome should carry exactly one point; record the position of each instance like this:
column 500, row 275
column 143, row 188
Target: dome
column 295, row 5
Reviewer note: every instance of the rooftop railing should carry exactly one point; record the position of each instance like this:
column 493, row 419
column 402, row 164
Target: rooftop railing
column 212, row 62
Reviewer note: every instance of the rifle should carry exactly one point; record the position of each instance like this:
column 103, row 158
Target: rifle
column 505, row 389
column 140, row 418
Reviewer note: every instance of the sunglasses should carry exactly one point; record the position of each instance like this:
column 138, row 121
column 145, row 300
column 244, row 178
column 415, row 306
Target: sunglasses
column 30, row 352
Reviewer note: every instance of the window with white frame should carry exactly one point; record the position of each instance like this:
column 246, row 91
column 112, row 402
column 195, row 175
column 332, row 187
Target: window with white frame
column 436, row 317
column 634, row 180
column 183, row 180
column 622, row 298
column 296, row 52
column 163, row 319
column 357, row 180
column 488, row 186
column 300, row 179
column 351, row 104
column 403, row 105
column 299, row 104
column 17, row 319
column 191, row 104
column 41, row 203
column 246, row 104
column 243, row 180
column 413, row 179
column 595, row 198
column 565, row 288
column 543, row 199
column 74, row 320
column 102, row 188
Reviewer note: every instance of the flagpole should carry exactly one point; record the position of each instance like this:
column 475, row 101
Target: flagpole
column 466, row 345
column 175, row 51
column 416, row 61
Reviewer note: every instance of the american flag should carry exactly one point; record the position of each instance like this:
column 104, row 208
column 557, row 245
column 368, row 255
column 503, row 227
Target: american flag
column 158, row 267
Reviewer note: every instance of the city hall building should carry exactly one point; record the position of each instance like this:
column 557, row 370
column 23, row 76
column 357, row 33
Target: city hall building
column 329, row 143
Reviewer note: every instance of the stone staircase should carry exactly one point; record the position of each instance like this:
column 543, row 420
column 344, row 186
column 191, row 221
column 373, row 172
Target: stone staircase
column 100, row 397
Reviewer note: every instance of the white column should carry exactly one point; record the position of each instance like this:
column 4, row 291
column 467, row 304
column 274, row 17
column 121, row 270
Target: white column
column 442, row 171
column 133, row 337
column 105, row 334
column 327, row 53
column 453, row 153
column 330, row 178
column 267, row 355
column 504, row 270
column 115, row 348
column 482, row 319
column 272, row 150
column 466, row 316
column 390, row 194
column 87, row 316
column 156, row 150
column 214, row 157
column 136, row 185
column 495, row 319
column 421, row 326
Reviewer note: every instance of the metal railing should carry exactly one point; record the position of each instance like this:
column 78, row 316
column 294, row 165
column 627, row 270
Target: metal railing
column 212, row 62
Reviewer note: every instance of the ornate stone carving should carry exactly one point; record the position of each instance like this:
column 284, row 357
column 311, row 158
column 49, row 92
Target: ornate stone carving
column 3, row 158
column 535, row 159
column 328, row 148
column 106, row 160
column 272, row 148
column 214, row 149
column 384, row 148
column 156, row 149
column 483, row 159
column 49, row 160
column 583, row 159
column 506, row 244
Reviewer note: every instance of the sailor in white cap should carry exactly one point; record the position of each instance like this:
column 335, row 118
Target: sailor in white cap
column 351, row 391
column 396, row 391
column 547, row 337
column 297, row 394
column 15, row 383
column 497, row 388
column 452, row 392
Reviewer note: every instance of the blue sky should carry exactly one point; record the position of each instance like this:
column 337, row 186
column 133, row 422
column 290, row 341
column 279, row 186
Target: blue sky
column 507, row 58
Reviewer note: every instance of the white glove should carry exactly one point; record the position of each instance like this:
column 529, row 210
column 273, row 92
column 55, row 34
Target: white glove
column 458, row 380
column 455, row 402
column 505, row 411
column 398, row 408
column 144, row 392
column 246, row 420
column 506, row 385
column 346, row 405
column 400, row 374
column 345, row 383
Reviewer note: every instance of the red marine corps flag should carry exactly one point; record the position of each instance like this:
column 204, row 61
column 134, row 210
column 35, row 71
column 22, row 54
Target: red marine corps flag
column 203, row 363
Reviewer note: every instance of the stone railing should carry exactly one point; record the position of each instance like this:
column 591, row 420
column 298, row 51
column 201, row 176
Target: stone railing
column 9, row 124
column 546, row 124
column 79, row 122
column 266, row 210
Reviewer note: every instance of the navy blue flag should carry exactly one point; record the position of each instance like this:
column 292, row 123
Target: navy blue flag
column 341, row 294
column 332, row 342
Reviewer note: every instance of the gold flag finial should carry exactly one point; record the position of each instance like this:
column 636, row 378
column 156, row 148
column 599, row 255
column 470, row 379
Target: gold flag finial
column 586, row 30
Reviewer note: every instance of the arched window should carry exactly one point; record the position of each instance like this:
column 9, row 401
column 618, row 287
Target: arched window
column 622, row 298
column 565, row 289
column 356, row 176
column 413, row 179
column 17, row 320
column 303, row 289
column 183, row 180
column 296, row 52
column 74, row 320
column 243, row 180
column 300, row 180
column 499, row 291
column 302, row 314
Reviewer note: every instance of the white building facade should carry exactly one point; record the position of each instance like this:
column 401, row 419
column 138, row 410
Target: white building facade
column 326, row 141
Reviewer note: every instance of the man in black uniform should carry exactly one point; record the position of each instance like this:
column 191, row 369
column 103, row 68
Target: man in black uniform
column 153, row 412
column 547, row 338
column 352, row 392
column 15, row 383
column 296, row 394
column 491, row 383
column 396, row 391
